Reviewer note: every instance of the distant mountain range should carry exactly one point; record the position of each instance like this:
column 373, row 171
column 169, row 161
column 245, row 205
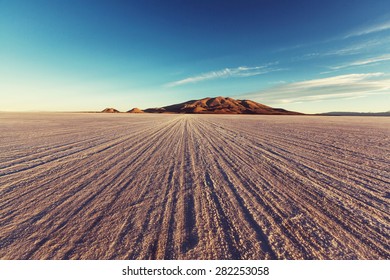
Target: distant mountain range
column 380, row 114
column 215, row 105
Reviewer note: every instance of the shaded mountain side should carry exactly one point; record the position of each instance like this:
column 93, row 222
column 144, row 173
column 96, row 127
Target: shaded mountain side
column 221, row 105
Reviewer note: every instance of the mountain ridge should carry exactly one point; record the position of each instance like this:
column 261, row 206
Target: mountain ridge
column 220, row 105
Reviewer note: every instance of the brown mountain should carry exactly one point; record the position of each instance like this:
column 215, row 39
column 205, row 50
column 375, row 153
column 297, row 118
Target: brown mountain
column 135, row 110
column 221, row 105
column 110, row 110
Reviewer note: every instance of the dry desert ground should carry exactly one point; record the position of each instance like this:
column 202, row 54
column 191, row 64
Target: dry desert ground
column 158, row 186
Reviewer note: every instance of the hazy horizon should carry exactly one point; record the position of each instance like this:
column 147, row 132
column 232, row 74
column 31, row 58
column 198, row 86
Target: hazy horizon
column 126, row 110
column 310, row 56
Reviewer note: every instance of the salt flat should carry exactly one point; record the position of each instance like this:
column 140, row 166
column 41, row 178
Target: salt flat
column 154, row 186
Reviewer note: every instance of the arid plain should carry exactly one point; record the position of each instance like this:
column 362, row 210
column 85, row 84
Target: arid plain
column 161, row 186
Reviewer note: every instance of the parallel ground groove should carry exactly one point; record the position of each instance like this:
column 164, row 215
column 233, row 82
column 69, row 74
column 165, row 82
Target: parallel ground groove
column 157, row 186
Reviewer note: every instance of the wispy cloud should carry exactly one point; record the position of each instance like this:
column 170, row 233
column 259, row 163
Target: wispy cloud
column 336, row 87
column 351, row 49
column 362, row 62
column 358, row 47
column 370, row 29
column 242, row 71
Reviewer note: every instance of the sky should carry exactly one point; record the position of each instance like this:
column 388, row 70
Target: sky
column 309, row 56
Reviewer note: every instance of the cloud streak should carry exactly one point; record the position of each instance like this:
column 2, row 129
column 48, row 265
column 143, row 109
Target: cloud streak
column 362, row 62
column 336, row 87
column 242, row 71
column 351, row 49
column 359, row 47
column 370, row 29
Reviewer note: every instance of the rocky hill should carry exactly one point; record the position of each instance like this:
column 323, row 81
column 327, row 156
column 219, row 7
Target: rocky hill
column 221, row 105
column 135, row 111
column 110, row 110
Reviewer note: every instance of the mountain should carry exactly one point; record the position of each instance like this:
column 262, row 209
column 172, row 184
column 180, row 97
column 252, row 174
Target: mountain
column 110, row 110
column 380, row 114
column 221, row 105
column 135, row 110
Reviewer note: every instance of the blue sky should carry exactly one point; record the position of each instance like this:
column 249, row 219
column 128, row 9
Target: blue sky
column 310, row 56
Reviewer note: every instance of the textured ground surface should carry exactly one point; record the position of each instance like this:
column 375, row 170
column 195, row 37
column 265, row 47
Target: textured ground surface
column 124, row 186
